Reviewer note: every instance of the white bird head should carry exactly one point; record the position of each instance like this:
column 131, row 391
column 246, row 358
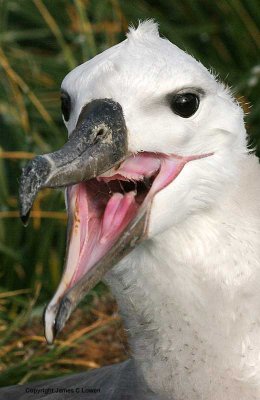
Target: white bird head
column 181, row 133
column 172, row 105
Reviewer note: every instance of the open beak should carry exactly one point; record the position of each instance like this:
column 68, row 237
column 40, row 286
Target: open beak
column 109, row 193
column 100, row 231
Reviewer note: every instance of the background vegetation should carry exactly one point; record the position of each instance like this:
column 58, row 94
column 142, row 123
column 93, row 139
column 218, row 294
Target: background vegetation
column 40, row 42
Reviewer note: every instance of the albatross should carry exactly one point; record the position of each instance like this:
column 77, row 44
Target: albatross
column 163, row 198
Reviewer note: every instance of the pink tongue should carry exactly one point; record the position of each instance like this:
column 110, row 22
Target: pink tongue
column 93, row 234
column 117, row 210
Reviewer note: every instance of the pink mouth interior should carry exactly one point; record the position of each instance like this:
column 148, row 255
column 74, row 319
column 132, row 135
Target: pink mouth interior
column 100, row 209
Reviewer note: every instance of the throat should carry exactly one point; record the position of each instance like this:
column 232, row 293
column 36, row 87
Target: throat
column 155, row 317
column 184, row 320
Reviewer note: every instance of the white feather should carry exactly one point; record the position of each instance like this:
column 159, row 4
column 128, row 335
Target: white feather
column 190, row 294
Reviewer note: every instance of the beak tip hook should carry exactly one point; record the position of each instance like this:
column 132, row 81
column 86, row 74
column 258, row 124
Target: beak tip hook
column 25, row 218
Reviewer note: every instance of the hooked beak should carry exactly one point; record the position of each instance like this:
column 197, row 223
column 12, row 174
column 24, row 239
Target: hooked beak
column 109, row 195
column 97, row 144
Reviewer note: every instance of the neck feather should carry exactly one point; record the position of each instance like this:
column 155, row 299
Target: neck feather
column 188, row 299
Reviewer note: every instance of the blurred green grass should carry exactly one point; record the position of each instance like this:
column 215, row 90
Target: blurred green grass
column 40, row 42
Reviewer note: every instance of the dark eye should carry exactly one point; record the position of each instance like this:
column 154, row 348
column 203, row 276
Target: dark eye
column 65, row 105
column 185, row 104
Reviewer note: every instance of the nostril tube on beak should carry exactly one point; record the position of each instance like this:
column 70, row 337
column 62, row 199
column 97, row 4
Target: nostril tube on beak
column 98, row 142
column 102, row 132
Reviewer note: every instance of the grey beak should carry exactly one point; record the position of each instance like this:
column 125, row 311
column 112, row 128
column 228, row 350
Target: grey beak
column 98, row 143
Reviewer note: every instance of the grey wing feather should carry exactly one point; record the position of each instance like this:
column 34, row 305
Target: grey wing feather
column 115, row 382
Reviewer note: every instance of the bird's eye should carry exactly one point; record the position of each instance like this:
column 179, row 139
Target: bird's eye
column 185, row 104
column 65, row 105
